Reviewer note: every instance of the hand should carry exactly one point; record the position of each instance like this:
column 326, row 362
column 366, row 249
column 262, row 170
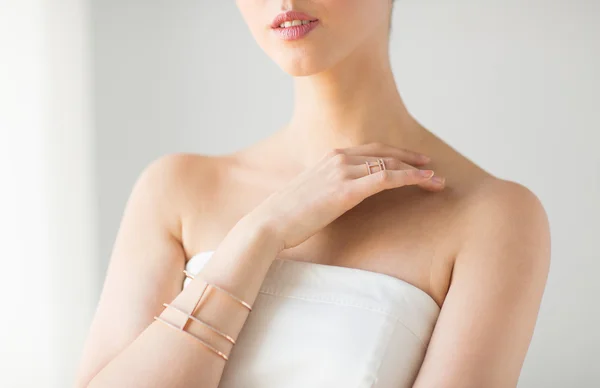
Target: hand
column 336, row 184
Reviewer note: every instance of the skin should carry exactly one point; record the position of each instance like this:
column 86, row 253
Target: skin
column 477, row 244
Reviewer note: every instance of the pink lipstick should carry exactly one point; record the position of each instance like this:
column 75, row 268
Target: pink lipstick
column 293, row 25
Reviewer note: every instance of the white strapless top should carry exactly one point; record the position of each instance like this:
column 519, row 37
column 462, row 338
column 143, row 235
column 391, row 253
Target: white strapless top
column 321, row 326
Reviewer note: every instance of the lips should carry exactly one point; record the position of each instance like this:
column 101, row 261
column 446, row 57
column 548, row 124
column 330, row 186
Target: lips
column 293, row 25
column 290, row 16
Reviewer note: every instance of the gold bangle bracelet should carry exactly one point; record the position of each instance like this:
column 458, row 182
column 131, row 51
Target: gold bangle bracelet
column 246, row 305
column 221, row 354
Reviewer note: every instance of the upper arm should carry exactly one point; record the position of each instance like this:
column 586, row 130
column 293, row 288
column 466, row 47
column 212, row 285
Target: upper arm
column 487, row 320
column 145, row 267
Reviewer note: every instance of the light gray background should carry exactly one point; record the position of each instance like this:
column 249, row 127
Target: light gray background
column 511, row 84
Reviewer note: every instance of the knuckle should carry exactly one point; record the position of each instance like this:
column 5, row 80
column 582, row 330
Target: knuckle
column 340, row 159
column 334, row 151
column 392, row 163
column 340, row 173
column 384, row 177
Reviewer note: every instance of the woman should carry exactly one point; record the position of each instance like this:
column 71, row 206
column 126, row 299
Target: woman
column 325, row 255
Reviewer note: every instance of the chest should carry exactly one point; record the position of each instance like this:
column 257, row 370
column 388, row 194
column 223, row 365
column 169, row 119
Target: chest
column 406, row 233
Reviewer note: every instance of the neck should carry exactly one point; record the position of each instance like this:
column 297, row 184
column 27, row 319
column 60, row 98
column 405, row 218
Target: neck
column 355, row 102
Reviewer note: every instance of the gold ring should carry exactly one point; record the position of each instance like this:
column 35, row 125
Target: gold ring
column 380, row 163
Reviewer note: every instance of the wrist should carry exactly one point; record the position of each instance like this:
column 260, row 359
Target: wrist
column 263, row 229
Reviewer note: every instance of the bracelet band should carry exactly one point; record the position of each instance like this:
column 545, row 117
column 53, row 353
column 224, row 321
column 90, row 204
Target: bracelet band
column 195, row 319
column 189, row 317
column 246, row 305
column 221, row 354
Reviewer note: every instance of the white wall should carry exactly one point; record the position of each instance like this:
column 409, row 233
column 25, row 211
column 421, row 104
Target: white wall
column 47, row 222
column 512, row 84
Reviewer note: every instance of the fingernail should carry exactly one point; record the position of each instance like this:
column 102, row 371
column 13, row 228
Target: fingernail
column 426, row 173
column 425, row 158
column 438, row 180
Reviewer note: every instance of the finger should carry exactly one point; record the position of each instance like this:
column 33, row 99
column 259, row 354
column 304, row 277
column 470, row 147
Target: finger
column 357, row 169
column 436, row 183
column 384, row 150
column 388, row 179
column 357, row 164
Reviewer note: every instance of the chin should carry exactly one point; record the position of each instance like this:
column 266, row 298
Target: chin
column 301, row 62
column 302, row 68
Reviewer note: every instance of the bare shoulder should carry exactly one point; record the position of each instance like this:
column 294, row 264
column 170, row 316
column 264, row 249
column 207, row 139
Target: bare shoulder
column 484, row 203
column 488, row 222
column 183, row 188
column 171, row 171
column 506, row 206
column 177, row 176
column 506, row 227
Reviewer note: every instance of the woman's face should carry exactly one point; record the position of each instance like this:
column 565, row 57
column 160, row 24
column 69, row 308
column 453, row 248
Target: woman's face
column 341, row 27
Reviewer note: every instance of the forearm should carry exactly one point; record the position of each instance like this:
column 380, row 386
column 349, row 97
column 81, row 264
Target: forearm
column 164, row 357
